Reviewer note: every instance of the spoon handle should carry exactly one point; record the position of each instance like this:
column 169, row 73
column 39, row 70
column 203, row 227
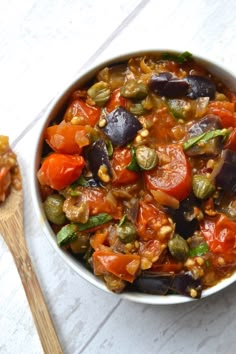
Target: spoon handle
column 14, row 236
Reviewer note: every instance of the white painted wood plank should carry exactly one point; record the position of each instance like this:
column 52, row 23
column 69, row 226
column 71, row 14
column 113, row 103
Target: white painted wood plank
column 207, row 28
column 43, row 43
column 205, row 326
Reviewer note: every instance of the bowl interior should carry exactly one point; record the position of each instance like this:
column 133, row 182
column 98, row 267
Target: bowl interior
column 55, row 110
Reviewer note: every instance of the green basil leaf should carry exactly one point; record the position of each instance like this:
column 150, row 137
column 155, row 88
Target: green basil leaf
column 180, row 58
column 94, row 221
column 204, row 137
column 199, row 250
column 185, row 56
column 67, row 234
column 133, row 165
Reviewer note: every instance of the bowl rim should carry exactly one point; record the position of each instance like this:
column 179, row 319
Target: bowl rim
column 216, row 68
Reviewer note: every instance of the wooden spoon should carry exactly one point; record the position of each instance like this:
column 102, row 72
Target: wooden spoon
column 12, row 229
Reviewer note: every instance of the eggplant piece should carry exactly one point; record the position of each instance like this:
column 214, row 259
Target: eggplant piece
column 209, row 122
column 153, row 283
column 165, row 84
column 160, row 284
column 224, row 172
column 184, row 218
column 185, row 284
column 121, row 127
column 200, row 86
column 98, row 156
column 214, row 146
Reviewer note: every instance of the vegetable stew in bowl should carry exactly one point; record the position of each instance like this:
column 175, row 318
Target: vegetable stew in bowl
column 9, row 170
column 138, row 175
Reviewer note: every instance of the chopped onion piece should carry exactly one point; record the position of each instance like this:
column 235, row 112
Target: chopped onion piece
column 165, row 199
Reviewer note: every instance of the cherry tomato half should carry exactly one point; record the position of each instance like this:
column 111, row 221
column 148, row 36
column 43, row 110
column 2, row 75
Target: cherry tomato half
column 88, row 115
column 149, row 221
column 220, row 234
column 123, row 266
column 225, row 111
column 66, row 138
column 97, row 201
column 231, row 142
column 121, row 159
column 60, row 170
column 173, row 174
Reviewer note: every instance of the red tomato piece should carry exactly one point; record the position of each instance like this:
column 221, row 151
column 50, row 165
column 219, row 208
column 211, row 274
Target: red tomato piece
column 88, row 115
column 115, row 101
column 121, row 159
column 220, row 234
column 66, row 138
column 97, row 201
column 150, row 220
column 173, row 175
column 231, row 142
column 98, row 240
column 222, row 104
column 124, row 266
column 161, row 130
column 60, row 170
column 225, row 111
column 170, row 265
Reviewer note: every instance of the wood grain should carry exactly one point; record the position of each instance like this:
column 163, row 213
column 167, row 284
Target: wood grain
column 12, row 229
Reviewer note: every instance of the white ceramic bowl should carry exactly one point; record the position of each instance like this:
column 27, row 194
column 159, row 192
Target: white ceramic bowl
column 59, row 102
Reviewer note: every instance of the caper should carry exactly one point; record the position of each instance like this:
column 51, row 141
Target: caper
column 100, row 93
column 53, row 209
column 202, row 187
column 137, row 109
column 81, row 244
column 178, row 248
column 146, row 157
column 127, row 232
column 134, row 89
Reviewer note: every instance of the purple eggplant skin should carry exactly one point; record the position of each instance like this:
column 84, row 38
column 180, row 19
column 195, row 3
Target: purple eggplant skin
column 98, row 156
column 160, row 284
column 121, row 127
column 165, row 84
column 224, row 172
column 183, row 283
column 209, row 122
column 214, row 146
column 200, row 86
column 184, row 218
column 152, row 283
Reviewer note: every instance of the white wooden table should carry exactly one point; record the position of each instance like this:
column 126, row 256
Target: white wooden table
column 44, row 44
